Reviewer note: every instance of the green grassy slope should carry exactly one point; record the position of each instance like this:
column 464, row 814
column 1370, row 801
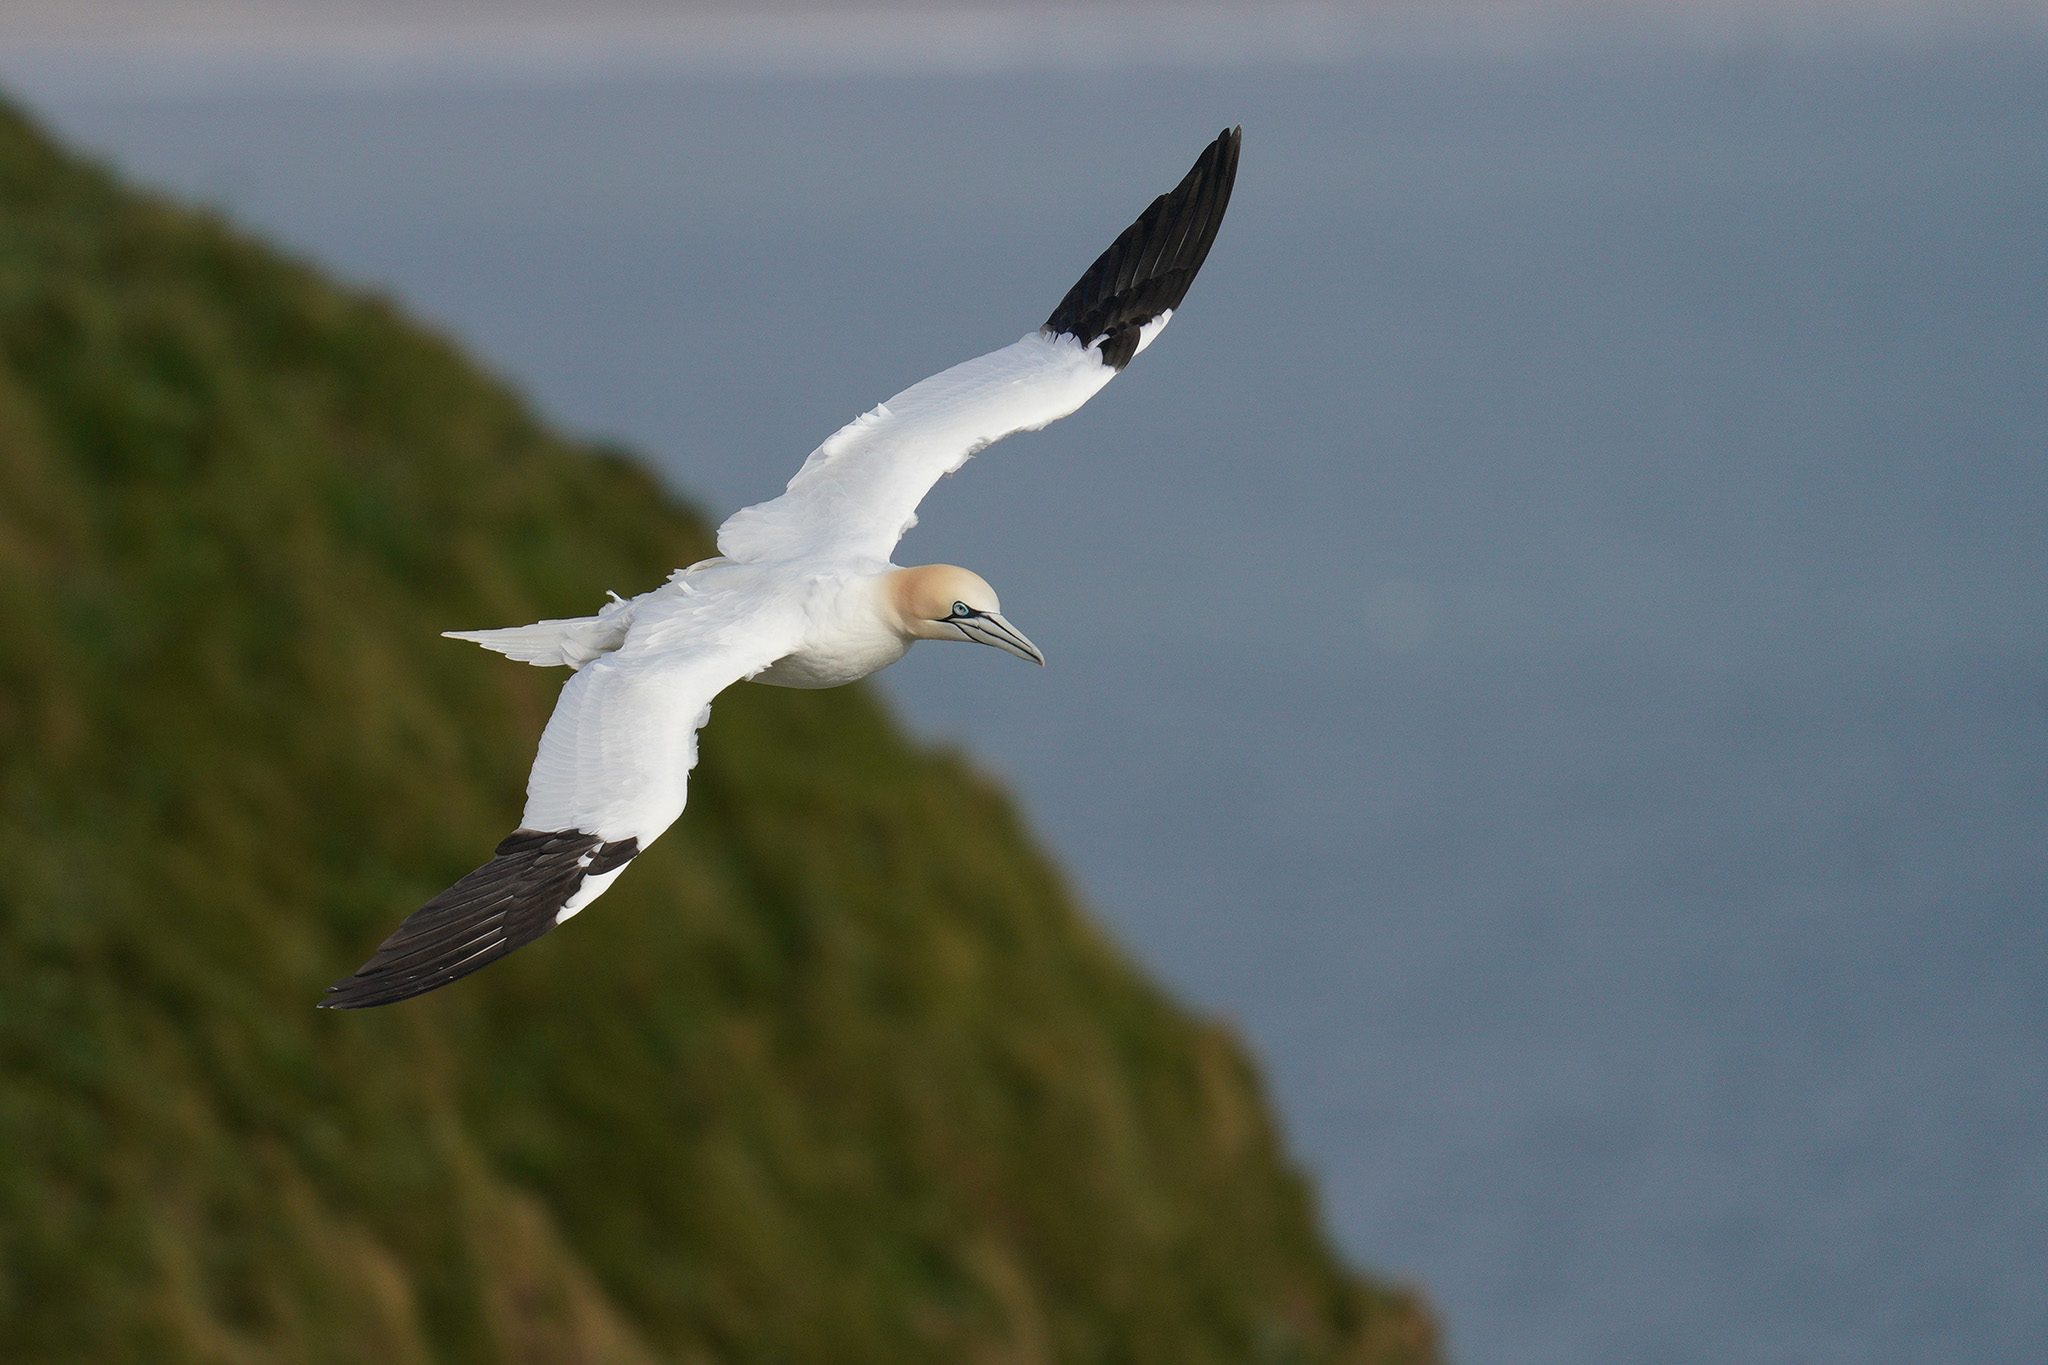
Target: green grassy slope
column 838, row 1073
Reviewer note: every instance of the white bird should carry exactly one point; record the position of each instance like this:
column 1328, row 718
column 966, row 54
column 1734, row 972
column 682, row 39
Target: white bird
column 802, row 594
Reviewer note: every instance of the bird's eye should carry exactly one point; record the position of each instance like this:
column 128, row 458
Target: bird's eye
column 960, row 609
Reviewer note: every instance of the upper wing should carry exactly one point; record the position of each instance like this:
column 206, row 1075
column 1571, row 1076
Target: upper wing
column 611, row 775
column 858, row 493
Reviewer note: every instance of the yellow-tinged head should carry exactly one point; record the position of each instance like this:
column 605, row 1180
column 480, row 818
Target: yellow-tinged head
column 947, row 602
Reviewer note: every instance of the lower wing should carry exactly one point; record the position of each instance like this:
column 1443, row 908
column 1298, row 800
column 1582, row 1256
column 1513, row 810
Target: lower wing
column 612, row 773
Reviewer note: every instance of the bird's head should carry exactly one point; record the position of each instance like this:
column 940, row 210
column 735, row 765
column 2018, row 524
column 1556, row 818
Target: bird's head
column 945, row 602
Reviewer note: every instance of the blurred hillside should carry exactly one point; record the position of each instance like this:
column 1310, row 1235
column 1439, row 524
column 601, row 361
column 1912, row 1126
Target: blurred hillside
column 840, row 1073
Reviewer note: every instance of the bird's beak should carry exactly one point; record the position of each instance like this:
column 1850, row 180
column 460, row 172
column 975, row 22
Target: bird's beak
column 987, row 628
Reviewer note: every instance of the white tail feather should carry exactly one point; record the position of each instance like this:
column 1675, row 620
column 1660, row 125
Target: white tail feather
column 572, row 642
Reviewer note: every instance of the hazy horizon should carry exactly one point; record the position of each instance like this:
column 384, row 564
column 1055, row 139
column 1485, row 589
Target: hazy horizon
column 138, row 49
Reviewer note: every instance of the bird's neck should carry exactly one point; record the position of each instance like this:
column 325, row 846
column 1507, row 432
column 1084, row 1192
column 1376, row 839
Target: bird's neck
column 904, row 595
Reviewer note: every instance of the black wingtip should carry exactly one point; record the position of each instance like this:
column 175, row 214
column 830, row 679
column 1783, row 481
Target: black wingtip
column 507, row 903
column 1147, row 270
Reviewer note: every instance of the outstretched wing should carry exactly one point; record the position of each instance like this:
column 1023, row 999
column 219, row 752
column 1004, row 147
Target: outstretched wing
column 611, row 775
column 858, row 493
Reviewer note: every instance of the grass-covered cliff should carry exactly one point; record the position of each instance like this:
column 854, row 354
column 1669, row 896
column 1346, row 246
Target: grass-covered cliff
column 838, row 1074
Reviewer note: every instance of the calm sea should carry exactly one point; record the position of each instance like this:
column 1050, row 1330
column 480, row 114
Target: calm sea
column 1554, row 642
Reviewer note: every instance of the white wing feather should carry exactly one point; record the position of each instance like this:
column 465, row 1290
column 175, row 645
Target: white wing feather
column 858, row 492
column 615, row 758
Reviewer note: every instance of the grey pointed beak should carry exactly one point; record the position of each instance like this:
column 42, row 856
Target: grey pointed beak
column 987, row 628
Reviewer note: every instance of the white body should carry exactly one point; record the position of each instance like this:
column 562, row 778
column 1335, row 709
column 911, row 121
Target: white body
column 850, row 635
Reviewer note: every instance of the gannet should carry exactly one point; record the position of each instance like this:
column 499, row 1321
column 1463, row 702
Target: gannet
column 801, row 594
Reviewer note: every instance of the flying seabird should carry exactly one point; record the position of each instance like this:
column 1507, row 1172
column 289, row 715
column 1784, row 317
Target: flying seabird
column 802, row 594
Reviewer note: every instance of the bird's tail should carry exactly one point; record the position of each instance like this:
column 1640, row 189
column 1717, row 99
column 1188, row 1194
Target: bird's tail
column 570, row 642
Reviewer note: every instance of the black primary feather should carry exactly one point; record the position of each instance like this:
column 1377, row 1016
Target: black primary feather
column 507, row 903
column 1148, row 269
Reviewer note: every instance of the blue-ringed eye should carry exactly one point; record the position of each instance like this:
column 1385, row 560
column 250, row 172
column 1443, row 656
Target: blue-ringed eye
column 960, row 609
